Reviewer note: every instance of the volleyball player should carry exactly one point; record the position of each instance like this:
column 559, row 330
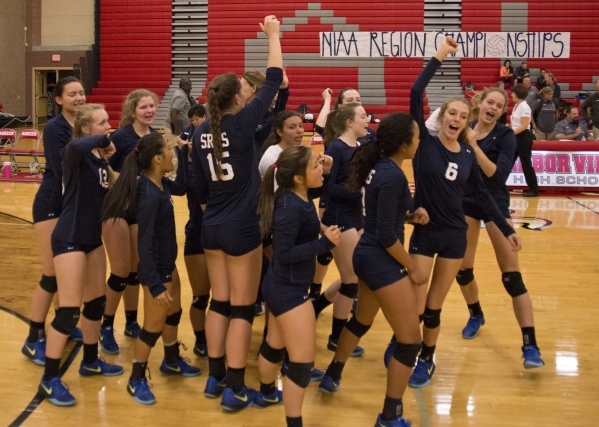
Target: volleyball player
column 287, row 131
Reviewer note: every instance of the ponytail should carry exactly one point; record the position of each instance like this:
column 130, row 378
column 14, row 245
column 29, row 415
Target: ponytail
column 336, row 122
column 362, row 163
column 266, row 205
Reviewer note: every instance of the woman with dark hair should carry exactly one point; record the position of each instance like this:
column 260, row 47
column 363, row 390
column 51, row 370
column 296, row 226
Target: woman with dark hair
column 291, row 215
column 287, row 131
column 520, row 124
column 69, row 97
column 227, row 178
column 380, row 260
column 506, row 74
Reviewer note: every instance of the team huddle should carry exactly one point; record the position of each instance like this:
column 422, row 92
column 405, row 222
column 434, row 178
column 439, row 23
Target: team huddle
column 254, row 231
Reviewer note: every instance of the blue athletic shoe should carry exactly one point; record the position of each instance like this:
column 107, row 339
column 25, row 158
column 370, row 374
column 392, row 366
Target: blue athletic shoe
column 180, row 367
column 100, row 367
column 474, row 323
column 107, row 342
column 395, row 422
column 35, row 351
column 76, row 334
column 214, row 388
column 56, row 392
column 332, row 345
column 532, row 357
column 140, row 390
column 315, row 375
column 423, row 372
column 261, row 401
column 389, row 352
column 132, row 330
column 328, row 384
column 201, row 349
column 232, row 401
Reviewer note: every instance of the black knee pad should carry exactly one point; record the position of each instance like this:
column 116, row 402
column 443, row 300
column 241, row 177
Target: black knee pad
column 432, row 318
column 48, row 284
column 245, row 312
column 464, row 277
column 350, row 290
column 300, row 373
column 149, row 338
column 406, row 354
column 132, row 279
column 174, row 319
column 325, row 259
column 66, row 319
column 513, row 283
column 94, row 309
column 273, row 355
column 357, row 328
column 200, row 302
column 117, row 283
column 221, row 307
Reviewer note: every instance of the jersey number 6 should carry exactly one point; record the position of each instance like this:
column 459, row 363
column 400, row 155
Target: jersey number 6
column 228, row 173
column 452, row 171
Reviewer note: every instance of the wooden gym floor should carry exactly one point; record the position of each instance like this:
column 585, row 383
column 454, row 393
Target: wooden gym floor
column 477, row 383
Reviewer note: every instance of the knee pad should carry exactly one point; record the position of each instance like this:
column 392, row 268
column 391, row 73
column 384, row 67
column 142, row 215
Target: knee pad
column 350, row 290
column 245, row 312
column 48, row 284
column 174, row 319
column 94, row 309
column 406, row 354
column 464, row 277
column 300, row 373
column 273, row 355
column 325, row 259
column 66, row 319
column 132, row 279
column 200, row 302
column 149, row 338
column 117, row 283
column 432, row 318
column 513, row 283
column 221, row 307
column 357, row 328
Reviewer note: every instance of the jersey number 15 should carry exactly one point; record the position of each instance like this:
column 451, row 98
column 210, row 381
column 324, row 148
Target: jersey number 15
column 227, row 169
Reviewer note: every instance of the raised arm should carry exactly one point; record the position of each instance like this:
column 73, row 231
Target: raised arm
column 76, row 149
column 178, row 187
column 321, row 121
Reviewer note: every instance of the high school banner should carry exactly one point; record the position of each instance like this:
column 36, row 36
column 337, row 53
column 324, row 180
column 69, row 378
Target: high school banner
column 560, row 169
column 471, row 44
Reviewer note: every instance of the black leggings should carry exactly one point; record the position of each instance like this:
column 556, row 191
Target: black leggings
column 524, row 150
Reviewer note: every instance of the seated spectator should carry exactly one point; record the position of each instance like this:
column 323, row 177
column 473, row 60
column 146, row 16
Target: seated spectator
column 541, row 79
column 570, row 128
column 551, row 82
column 590, row 110
column 506, row 74
column 521, row 72
column 533, row 92
column 544, row 114
column 500, row 84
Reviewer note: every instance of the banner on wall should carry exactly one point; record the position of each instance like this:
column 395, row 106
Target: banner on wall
column 471, row 44
column 560, row 169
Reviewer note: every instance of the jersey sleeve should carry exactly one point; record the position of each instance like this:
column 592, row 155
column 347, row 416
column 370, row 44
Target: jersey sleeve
column 55, row 139
column 387, row 206
column 281, row 102
column 117, row 159
column 178, row 187
column 147, row 212
column 339, row 191
column 76, row 149
column 200, row 182
column 505, row 159
column 417, row 95
column 319, row 129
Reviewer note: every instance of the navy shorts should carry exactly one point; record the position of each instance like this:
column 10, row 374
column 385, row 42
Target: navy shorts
column 193, row 241
column 281, row 298
column 131, row 219
column 60, row 247
column 376, row 267
column 233, row 238
column 346, row 219
column 429, row 240
column 476, row 211
column 46, row 205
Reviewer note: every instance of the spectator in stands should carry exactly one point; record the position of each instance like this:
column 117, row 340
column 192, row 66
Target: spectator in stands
column 569, row 128
column 500, row 84
column 592, row 104
column 544, row 114
column 541, row 79
column 520, row 124
column 521, row 72
column 533, row 92
column 551, row 82
column 506, row 74
column 178, row 108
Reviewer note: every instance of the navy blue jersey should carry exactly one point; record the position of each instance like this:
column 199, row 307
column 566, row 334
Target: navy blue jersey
column 370, row 134
column 500, row 147
column 125, row 140
column 295, row 240
column 156, row 238
column 387, row 199
column 193, row 202
column 441, row 176
column 57, row 133
column 265, row 125
column 234, row 197
column 85, row 183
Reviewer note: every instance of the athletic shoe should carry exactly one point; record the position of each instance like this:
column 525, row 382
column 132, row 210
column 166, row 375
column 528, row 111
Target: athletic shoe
column 232, row 401
column 474, row 323
column 180, row 367
column 389, row 352
column 328, row 384
column 259, row 308
column 395, row 422
column 56, row 392
column 423, row 372
column 201, row 349
column 140, row 390
column 214, row 388
column 107, row 341
column 261, row 401
column 315, row 375
column 532, row 357
column 100, row 367
column 35, row 351
column 132, row 330
column 332, row 345
column 76, row 334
